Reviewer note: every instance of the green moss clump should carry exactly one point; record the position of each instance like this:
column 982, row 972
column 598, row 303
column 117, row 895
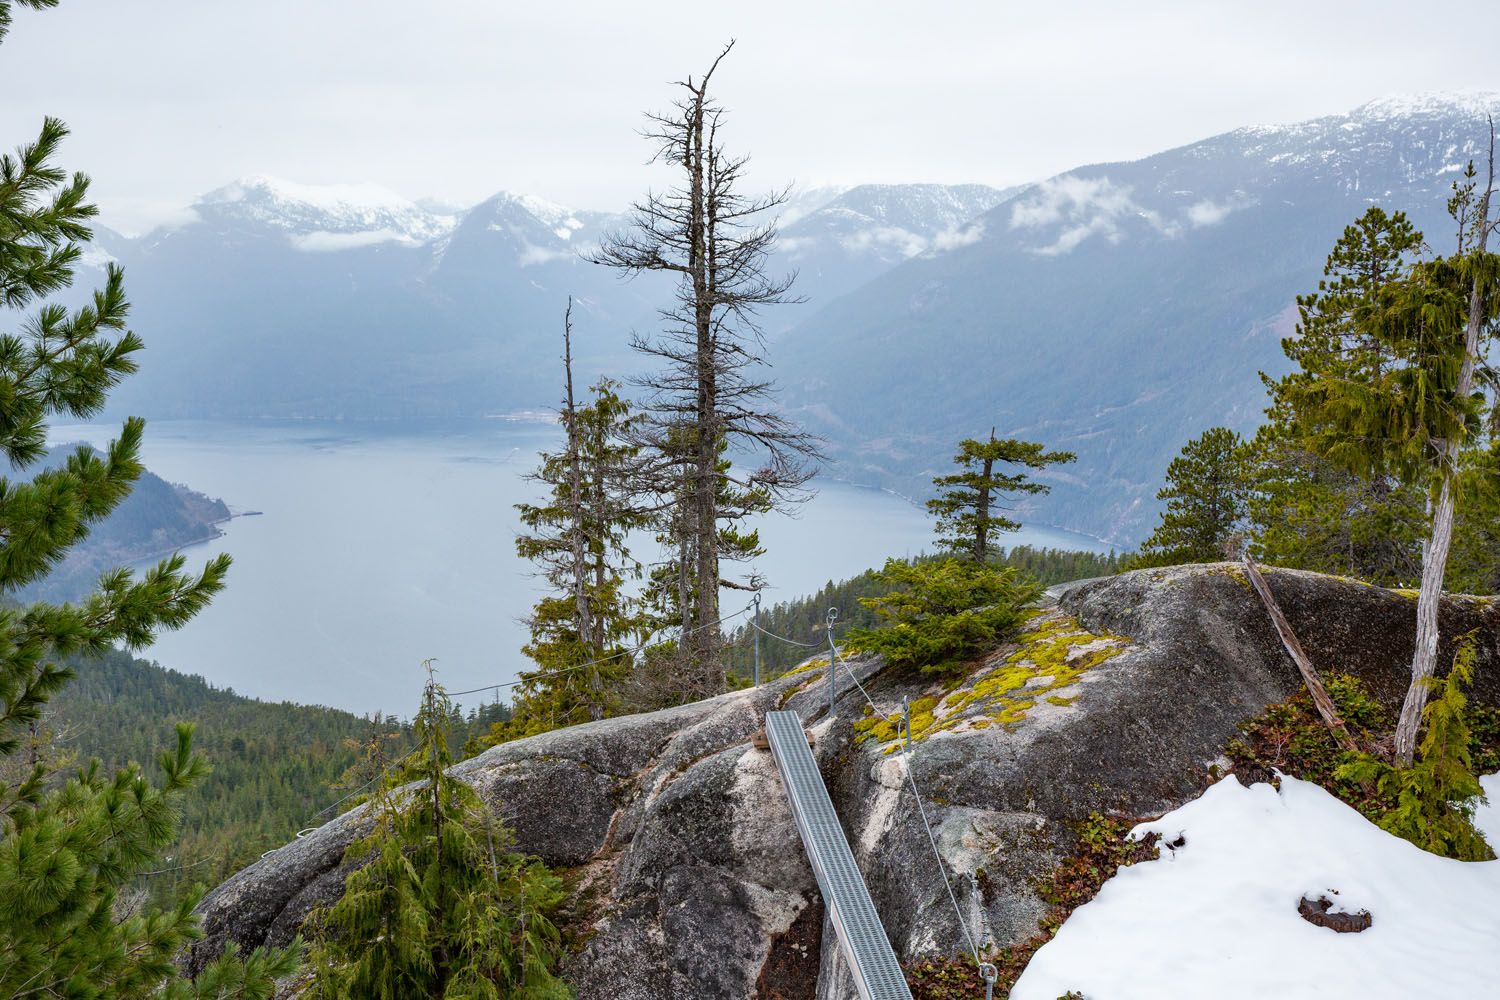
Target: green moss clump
column 811, row 665
column 1234, row 573
column 1053, row 652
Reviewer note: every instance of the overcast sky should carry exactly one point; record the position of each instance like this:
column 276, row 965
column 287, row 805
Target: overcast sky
column 457, row 99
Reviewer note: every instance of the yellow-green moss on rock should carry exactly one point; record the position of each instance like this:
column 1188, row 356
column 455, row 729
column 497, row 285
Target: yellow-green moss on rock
column 1050, row 656
column 817, row 663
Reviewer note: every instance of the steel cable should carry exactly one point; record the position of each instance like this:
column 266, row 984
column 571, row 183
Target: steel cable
column 927, row 826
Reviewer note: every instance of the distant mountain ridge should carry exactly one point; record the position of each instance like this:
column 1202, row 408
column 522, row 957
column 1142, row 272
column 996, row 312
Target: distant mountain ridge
column 1116, row 309
column 361, row 213
column 349, row 301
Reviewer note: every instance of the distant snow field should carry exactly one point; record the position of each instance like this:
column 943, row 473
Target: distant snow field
column 1217, row 917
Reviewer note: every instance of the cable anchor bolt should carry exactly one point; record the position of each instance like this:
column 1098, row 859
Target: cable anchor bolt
column 989, row 973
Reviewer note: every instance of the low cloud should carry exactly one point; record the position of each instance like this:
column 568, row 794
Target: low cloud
column 1082, row 207
column 1210, row 213
column 97, row 258
column 907, row 243
column 903, row 241
column 1077, row 209
column 532, row 255
column 959, row 236
column 325, row 242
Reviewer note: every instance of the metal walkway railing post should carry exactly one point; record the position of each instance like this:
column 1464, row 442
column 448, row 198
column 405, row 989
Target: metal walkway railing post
column 755, row 628
column 833, row 661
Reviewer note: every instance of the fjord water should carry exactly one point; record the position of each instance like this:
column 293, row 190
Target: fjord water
column 379, row 545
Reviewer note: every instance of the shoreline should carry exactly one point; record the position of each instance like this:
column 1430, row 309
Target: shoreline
column 216, row 533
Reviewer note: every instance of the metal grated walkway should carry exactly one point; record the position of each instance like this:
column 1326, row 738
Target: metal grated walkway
column 847, row 899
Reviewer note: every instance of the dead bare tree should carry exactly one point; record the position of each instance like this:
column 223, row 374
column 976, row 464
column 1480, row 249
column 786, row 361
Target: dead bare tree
column 710, row 397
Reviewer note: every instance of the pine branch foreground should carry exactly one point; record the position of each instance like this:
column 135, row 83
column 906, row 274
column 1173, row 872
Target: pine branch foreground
column 69, row 844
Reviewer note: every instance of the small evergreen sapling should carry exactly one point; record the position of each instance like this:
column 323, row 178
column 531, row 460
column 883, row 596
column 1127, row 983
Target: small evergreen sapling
column 937, row 613
column 1434, row 798
column 438, row 905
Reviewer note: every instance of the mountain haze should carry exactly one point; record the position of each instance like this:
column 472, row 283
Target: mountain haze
column 1115, row 310
column 349, row 301
column 1119, row 309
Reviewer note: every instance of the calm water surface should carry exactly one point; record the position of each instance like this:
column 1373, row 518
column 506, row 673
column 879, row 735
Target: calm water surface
column 380, row 546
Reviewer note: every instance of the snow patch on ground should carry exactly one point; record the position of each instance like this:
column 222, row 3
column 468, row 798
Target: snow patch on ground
column 1218, row 917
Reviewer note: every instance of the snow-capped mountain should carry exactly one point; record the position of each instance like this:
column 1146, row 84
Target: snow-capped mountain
column 1116, row 310
column 351, row 300
column 856, row 233
column 531, row 230
column 321, row 217
column 1119, row 309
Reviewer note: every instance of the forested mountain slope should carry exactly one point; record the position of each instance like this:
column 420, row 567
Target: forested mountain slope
column 157, row 518
column 276, row 767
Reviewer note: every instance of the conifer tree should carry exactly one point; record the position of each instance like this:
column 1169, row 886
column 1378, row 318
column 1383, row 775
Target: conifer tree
column 1432, row 803
column 670, row 588
column 1414, row 417
column 710, row 394
column 1308, row 510
column 969, row 503
column 1329, row 340
column 578, row 539
column 68, row 844
column 1474, row 563
column 438, row 904
column 1206, row 493
column 1309, row 513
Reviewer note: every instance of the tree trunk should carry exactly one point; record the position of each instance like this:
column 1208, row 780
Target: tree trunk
column 982, row 511
column 1440, row 538
column 1424, row 658
column 582, row 622
column 706, row 439
column 702, row 232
